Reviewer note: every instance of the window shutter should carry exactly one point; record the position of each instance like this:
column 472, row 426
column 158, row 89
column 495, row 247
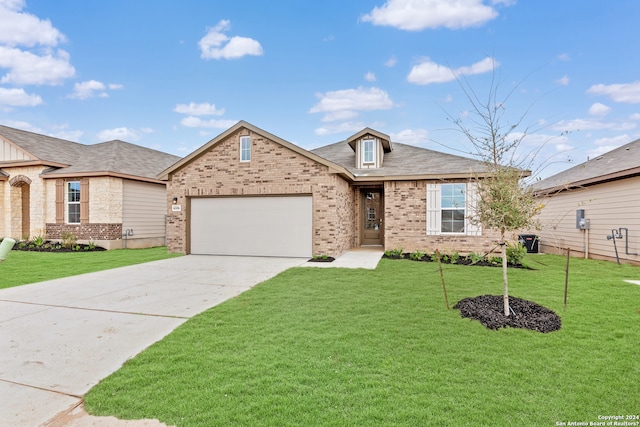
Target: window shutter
column 433, row 209
column 84, row 200
column 473, row 228
column 59, row 201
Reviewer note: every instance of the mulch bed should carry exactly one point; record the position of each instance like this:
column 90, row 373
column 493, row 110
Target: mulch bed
column 461, row 260
column 489, row 310
column 49, row 246
column 322, row 259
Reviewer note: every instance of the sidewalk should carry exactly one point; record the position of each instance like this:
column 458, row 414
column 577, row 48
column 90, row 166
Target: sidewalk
column 362, row 257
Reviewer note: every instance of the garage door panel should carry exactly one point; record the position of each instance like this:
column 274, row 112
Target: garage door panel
column 258, row 226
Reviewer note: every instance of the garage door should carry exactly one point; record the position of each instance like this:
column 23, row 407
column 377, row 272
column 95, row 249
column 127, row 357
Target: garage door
column 255, row 226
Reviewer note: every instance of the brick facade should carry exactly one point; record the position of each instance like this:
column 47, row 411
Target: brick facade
column 273, row 170
column 277, row 168
column 406, row 223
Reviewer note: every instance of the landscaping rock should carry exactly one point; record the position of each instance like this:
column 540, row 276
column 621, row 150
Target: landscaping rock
column 489, row 310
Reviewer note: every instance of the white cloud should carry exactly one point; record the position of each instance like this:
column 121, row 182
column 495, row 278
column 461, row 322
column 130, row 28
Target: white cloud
column 564, row 57
column 28, row 68
column 634, row 116
column 349, row 101
column 217, row 45
column 20, row 34
column 197, row 122
column 18, row 98
column 599, row 109
column 626, row 92
column 203, row 109
column 563, row 81
column 391, row 62
column 582, row 125
column 123, row 134
column 370, row 77
column 86, row 90
column 339, row 115
column 416, row 15
column 411, row 136
column 18, row 28
column 428, row 72
column 340, row 128
column 615, row 141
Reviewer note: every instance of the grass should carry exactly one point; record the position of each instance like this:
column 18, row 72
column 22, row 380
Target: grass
column 22, row 267
column 337, row 347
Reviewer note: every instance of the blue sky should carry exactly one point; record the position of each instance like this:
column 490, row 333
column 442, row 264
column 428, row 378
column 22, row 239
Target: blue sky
column 172, row 75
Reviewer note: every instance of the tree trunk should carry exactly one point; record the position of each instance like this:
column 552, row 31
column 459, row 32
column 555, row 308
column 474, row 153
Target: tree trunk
column 505, row 296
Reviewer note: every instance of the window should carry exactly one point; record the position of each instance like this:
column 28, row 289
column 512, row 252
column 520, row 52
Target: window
column 368, row 151
column 245, row 149
column 452, row 208
column 73, row 202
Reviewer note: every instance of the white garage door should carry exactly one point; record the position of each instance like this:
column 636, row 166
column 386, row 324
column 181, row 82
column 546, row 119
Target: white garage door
column 255, row 226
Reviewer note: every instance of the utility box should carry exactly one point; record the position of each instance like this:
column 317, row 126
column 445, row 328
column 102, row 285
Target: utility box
column 530, row 242
column 581, row 222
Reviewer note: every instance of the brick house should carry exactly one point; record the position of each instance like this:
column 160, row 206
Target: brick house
column 248, row 192
column 106, row 193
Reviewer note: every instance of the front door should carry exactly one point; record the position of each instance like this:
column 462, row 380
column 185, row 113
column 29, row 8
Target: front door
column 372, row 229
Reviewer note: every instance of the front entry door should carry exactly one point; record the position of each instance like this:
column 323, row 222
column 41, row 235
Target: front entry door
column 372, row 227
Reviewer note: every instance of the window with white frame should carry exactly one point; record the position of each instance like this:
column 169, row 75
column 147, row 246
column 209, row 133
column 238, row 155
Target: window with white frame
column 368, row 151
column 245, row 149
column 73, row 202
column 451, row 209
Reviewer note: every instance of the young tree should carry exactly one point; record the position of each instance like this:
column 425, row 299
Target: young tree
column 504, row 202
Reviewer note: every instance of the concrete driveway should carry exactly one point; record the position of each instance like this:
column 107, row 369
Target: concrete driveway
column 61, row 337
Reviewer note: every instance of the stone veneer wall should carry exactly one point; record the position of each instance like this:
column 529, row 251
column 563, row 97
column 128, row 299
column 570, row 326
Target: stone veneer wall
column 12, row 202
column 406, row 223
column 273, row 170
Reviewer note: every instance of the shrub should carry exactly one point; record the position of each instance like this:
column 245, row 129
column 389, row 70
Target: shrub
column 515, row 253
column 476, row 257
column 416, row 256
column 38, row 241
column 68, row 239
column 394, row 252
column 455, row 257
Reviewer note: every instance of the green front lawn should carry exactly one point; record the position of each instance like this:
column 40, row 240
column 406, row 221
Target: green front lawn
column 21, row 268
column 352, row 347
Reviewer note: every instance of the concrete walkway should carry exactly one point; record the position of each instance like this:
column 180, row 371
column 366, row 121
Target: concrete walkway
column 61, row 337
column 362, row 257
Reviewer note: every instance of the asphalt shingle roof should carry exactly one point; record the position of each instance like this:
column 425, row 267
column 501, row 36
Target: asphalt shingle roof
column 116, row 156
column 616, row 162
column 404, row 160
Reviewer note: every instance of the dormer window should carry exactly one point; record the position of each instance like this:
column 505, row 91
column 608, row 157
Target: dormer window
column 370, row 147
column 368, row 151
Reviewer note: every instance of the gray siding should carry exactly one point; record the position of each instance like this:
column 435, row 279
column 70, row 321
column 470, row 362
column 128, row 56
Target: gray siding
column 144, row 209
column 608, row 206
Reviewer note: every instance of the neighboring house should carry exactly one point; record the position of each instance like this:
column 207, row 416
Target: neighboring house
column 605, row 193
column 248, row 192
column 106, row 193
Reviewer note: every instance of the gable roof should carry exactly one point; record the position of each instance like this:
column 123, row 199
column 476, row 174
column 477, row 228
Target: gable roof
column 164, row 175
column 71, row 159
column 623, row 162
column 404, row 162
